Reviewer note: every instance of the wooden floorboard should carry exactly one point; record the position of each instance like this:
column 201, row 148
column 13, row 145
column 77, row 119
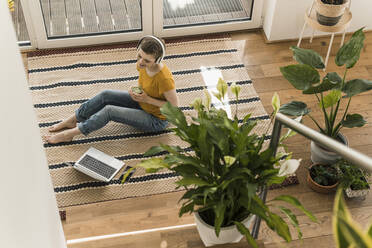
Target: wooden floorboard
column 156, row 211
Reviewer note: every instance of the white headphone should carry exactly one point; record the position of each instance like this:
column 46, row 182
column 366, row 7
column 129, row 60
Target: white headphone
column 160, row 58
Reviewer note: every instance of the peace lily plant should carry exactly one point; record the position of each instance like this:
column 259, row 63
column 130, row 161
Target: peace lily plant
column 332, row 90
column 225, row 166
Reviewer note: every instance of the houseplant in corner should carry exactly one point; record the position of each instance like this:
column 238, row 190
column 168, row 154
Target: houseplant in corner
column 223, row 170
column 332, row 93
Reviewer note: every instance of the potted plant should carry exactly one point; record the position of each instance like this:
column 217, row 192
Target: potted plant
column 353, row 180
column 346, row 232
column 332, row 93
column 329, row 12
column 323, row 178
column 223, row 170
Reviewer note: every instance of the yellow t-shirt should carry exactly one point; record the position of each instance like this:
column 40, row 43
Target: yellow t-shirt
column 155, row 87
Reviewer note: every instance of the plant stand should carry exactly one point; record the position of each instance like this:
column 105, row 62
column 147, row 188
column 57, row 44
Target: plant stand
column 310, row 20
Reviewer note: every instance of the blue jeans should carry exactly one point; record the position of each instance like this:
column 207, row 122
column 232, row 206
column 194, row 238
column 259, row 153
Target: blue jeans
column 118, row 106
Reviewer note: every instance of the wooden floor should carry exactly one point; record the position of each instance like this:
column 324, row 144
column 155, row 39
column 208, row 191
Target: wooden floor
column 262, row 61
column 80, row 17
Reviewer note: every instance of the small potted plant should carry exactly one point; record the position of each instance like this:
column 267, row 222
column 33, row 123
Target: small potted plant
column 223, row 171
column 323, row 178
column 329, row 12
column 353, row 179
column 333, row 93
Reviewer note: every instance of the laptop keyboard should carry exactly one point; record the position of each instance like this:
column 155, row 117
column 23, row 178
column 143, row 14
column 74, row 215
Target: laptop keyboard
column 97, row 166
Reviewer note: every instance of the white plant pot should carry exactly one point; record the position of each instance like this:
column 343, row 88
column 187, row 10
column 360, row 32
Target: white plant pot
column 228, row 234
column 323, row 156
column 362, row 193
column 356, row 193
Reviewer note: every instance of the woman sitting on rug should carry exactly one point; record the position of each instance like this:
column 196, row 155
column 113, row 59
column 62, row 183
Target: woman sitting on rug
column 140, row 110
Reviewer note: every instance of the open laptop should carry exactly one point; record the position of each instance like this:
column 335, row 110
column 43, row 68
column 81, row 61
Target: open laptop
column 98, row 165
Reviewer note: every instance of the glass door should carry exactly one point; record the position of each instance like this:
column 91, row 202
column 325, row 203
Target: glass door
column 187, row 17
column 19, row 22
column 63, row 23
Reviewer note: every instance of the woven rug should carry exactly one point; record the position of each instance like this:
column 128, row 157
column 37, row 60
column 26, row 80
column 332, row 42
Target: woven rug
column 59, row 83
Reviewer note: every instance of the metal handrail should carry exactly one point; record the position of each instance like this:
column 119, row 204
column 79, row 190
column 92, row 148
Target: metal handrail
column 346, row 152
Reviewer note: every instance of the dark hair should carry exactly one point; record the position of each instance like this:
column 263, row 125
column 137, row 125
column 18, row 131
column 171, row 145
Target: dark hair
column 151, row 46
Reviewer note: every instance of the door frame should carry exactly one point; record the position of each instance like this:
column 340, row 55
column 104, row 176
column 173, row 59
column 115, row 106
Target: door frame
column 38, row 36
column 255, row 22
column 152, row 23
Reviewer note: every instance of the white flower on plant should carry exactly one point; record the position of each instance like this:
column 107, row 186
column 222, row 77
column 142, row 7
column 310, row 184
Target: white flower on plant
column 289, row 167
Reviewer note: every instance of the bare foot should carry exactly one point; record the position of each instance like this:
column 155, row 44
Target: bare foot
column 65, row 136
column 68, row 123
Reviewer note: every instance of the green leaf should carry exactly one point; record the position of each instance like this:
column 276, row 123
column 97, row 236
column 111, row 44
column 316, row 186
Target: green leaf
column 219, row 211
column 356, row 86
column 229, row 160
column 197, row 104
column 222, row 87
column 235, row 89
column 174, row 115
column 152, row 165
column 354, row 120
column 126, row 175
column 208, row 99
column 275, row 180
column 293, row 201
column 349, row 53
column 187, row 181
column 281, row 227
column 243, row 230
column 334, row 78
column 330, row 81
column 339, row 211
column 353, row 234
column 370, row 231
column 301, row 76
column 308, row 57
column 292, row 218
column 217, row 95
column 330, row 99
column 294, row 108
column 186, row 208
column 154, row 151
column 275, row 103
column 207, row 192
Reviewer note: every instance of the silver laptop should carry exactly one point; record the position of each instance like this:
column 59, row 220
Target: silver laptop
column 98, row 165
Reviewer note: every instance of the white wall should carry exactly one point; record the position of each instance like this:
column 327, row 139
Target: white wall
column 28, row 211
column 284, row 19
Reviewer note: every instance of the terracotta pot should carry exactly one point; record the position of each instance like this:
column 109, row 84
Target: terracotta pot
column 323, row 156
column 317, row 187
column 329, row 14
column 229, row 234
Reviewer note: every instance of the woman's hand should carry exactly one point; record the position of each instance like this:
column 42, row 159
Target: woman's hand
column 143, row 97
